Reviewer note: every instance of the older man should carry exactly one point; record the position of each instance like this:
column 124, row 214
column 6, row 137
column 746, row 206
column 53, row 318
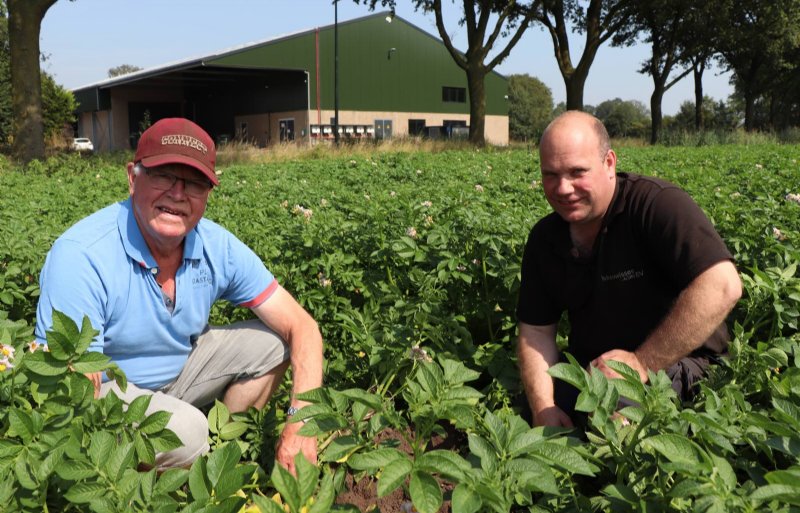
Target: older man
column 639, row 269
column 147, row 270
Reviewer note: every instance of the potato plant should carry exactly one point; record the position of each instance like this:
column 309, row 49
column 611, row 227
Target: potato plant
column 410, row 264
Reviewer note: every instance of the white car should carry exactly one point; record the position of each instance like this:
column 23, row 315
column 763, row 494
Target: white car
column 82, row 145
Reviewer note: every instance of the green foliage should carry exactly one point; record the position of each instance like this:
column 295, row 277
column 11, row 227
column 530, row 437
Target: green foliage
column 122, row 69
column 624, row 118
column 58, row 106
column 530, row 107
column 421, row 385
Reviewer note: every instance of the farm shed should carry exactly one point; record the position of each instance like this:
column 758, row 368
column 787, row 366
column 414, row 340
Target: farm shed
column 394, row 79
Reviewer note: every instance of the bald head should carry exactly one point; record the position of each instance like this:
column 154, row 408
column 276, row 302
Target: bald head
column 575, row 123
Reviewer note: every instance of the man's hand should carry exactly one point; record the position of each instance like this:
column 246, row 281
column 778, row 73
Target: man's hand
column 552, row 416
column 290, row 443
column 97, row 379
column 626, row 357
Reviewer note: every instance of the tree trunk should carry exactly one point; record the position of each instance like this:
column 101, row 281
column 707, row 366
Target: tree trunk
column 24, row 24
column 656, row 116
column 749, row 109
column 575, row 84
column 477, row 106
column 699, row 122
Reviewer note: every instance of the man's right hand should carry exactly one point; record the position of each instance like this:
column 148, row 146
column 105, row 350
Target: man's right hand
column 551, row 416
column 97, row 379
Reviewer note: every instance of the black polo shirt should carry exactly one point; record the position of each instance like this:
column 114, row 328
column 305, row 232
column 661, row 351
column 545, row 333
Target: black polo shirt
column 653, row 242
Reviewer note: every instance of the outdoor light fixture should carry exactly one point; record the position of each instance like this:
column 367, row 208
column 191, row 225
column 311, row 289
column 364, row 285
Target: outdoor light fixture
column 390, row 52
column 390, row 16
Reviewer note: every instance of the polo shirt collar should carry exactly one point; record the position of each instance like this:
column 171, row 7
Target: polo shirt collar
column 563, row 243
column 617, row 204
column 136, row 247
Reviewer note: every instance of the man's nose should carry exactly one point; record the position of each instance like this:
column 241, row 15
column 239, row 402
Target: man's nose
column 564, row 186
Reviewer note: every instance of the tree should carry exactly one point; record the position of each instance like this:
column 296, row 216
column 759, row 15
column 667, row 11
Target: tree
column 661, row 23
column 530, row 107
column 122, row 69
column 717, row 116
column 24, row 24
column 599, row 21
column 5, row 79
column 510, row 18
column 623, row 118
column 754, row 37
column 58, row 106
column 698, row 35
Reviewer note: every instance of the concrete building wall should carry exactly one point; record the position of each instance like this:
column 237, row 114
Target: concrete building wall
column 265, row 129
column 495, row 131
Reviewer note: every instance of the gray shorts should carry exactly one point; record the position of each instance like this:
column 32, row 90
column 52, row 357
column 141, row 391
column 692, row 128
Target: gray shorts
column 221, row 356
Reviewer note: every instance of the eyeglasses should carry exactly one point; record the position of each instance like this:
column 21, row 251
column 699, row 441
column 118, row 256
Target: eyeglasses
column 166, row 181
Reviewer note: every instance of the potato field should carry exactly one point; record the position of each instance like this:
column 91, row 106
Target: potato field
column 410, row 264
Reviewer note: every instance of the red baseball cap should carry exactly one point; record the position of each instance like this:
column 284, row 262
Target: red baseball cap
column 177, row 141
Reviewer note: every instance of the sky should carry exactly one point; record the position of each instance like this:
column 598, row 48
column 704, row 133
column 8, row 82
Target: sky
column 83, row 39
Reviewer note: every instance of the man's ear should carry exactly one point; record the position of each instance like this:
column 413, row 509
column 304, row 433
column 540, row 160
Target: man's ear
column 131, row 177
column 611, row 161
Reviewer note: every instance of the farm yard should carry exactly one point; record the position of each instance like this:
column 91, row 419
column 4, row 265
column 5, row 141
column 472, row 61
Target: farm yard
column 409, row 262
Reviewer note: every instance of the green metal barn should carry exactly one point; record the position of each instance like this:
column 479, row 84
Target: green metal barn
column 394, row 79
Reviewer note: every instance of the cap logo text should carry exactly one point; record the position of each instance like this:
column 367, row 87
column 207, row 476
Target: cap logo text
column 184, row 140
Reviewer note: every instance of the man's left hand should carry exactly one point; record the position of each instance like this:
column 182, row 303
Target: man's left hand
column 628, row 358
column 291, row 443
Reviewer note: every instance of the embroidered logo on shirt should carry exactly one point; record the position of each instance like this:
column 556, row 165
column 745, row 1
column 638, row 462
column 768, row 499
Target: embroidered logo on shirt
column 202, row 277
column 627, row 275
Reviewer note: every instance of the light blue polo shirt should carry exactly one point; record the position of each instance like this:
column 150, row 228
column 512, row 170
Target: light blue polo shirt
column 101, row 267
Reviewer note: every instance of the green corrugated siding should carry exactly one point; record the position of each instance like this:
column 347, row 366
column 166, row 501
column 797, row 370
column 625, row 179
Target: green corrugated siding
column 410, row 81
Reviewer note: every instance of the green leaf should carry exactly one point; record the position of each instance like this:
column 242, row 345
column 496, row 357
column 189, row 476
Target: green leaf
column 137, row 409
column 222, row 460
column 286, row 485
column 233, row 430
column 780, row 492
column 325, row 496
column 785, row 477
column 339, row 448
column 218, row 416
column 676, row 448
column 533, row 475
column 425, row 492
column 90, row 362
column 572, row 374
column 75, row 470
column 233, row 480
column 465, row 500
column 393, row 476
column 171, row 480
column 266, row 505
column 446, row 463
column 101, row 445
column 44, row 364
column 155, row 422
column 199, row 485
column 87, row 335
column 24, row 473
column 20, row 425
column 82, row 493
column 483, row 449
column 725, row 472
column 565, row 458
column 307, row 477
column 363, row 397
column 120, row 459
column 374, row 459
